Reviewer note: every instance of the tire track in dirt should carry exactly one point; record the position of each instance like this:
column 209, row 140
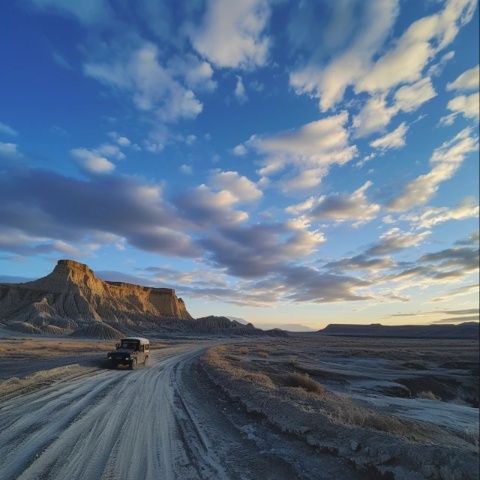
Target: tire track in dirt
column 114, row 424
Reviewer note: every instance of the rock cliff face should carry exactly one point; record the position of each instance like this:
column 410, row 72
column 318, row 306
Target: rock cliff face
column 72, row 300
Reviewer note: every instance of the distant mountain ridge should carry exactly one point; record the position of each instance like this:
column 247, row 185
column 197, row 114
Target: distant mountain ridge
column 467, row 330
column 72, row 300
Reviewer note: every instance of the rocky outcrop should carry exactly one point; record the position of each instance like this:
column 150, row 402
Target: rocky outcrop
column 72, row 300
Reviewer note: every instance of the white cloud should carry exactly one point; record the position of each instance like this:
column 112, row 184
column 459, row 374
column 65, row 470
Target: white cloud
column 240, row 94
column 152, row 86
column 196, row 72
column 328, row 83
column 303, row 179
column 340, row 207
column 437, row 68
column 405, row 61
column 393, row 139
column 444, row 161
column 205, row 207
column 110, row 151
column 240, row 187
column 7, row 130
column 466, row 105
column 240, row 150
column 91, row 162
column 120, row 139
column 468, row 80
column 231, row 34
column 186, row 169
column 394, row 240
column 376, row 114
column 410, row 97
column 432, row 216
column 9, row 150
column 311, row 148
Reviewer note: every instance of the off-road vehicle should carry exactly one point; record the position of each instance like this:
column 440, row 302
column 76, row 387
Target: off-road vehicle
column 131, row 352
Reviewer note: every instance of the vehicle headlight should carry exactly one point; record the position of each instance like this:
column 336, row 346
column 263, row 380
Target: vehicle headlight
column 127, row 356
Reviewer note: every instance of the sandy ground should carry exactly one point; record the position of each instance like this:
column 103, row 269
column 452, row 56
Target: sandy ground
column 64, row 415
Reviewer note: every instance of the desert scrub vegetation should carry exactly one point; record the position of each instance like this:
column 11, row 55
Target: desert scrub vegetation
column 301, row 392
column 303, row 380
column 217, row 359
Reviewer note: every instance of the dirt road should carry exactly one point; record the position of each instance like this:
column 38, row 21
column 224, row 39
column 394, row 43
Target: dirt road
column 158, row 422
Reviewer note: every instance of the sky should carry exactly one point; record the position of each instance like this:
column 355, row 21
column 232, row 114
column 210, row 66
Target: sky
column 284, row 162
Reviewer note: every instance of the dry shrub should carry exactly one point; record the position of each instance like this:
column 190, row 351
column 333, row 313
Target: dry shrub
column 259, row 379
column 243, row 350
column 303, row 381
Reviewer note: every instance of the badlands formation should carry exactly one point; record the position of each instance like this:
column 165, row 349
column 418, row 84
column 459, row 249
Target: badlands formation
column 71, row 300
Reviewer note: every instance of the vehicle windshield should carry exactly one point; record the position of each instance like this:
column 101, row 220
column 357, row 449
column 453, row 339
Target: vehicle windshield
column 129, row 344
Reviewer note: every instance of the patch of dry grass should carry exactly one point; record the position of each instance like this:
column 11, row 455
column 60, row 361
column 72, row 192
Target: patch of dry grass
column 303, row 380
column 216, row 358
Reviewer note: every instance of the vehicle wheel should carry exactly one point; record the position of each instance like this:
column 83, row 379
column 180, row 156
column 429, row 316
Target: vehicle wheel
column 133, row 364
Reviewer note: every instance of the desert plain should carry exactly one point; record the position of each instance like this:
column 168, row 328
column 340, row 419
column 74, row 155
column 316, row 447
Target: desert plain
column 305, row 406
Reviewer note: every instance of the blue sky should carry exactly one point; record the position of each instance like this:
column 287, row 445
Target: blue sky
column 284, row 162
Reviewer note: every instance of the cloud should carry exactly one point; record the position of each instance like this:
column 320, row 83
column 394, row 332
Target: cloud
column 410, row 97
column 458, row 292
column 318, row 287
column 196, row 72
column 186, row 169
column 405, row 61
column 239, row 150
column 466, row 105
column 376, row 114
column 207, row 208
column 467, row 318
column 91, row 162
column 120, row 139
column 240, row 94
column 7, row 130
column 9, row 150
column 444, row 161
column 392, row 140
column 395, row 240
column 311, row 148
column 437, row 68
column 472, row 239
column 328, row 83
column 100, row 209
column 242, row 189
column 260, row 250
column 361, row 262
column 231, row 35
column 468, row 80
column 444, row 266
column 432, row 216
column 341, row 207
column 152, row 86
column 88, row 12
